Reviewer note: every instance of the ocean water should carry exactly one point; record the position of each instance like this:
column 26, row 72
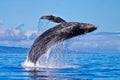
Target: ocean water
column 92, row 57
column 65, row 66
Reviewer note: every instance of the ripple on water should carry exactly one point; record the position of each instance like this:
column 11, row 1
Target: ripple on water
column 83, row 67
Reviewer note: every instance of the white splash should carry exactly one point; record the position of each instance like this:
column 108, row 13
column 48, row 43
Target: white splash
column 51, row 59
column 31, row 66
column 45, row 57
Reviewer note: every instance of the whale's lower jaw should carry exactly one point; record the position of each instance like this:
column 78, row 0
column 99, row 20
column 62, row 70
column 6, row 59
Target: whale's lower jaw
column 55, row 35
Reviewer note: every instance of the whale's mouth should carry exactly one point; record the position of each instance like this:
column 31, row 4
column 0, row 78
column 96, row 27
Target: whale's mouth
column 92, row 29
column 89, row 27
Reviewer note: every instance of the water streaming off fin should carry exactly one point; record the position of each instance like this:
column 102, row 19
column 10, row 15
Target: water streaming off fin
column 44, row 25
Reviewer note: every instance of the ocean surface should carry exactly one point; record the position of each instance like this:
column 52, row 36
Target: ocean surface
column 92, row 57
column 65, row 66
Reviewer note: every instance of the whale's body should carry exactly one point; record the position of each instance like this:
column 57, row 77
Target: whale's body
column 59, row 33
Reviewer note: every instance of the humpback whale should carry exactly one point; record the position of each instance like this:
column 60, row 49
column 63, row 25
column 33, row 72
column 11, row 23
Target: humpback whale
column 64, row 30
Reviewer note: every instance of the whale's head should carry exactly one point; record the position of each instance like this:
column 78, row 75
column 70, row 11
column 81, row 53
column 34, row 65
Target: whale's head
column 86, row 28
column 72, row 29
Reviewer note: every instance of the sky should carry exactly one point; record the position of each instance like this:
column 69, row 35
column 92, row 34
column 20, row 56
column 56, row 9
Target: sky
column 105, row 14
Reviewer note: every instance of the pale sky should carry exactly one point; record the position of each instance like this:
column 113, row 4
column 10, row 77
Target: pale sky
column 105, row 14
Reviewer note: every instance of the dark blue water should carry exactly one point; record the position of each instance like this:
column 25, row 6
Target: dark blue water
column 84, row 66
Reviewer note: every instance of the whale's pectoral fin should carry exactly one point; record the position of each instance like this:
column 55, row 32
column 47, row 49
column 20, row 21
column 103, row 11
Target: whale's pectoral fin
column 53, row 18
